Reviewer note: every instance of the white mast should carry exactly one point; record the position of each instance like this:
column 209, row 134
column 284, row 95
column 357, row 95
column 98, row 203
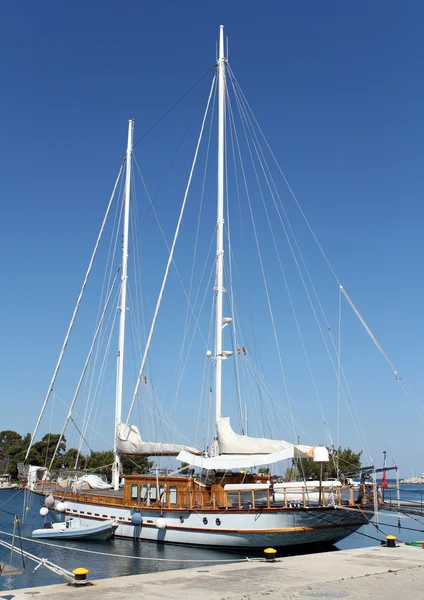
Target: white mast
column 219, row 288
column 122, row 308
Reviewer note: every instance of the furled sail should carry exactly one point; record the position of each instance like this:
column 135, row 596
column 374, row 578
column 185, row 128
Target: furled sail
column 230, row 442
column 129, row 442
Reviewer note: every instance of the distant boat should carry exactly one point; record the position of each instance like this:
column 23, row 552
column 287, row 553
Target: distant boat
column 73, row 529
column 6, row 484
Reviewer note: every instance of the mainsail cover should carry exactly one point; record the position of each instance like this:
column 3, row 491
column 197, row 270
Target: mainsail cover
column 242, row 461
column 129, row 442
column 230, row 442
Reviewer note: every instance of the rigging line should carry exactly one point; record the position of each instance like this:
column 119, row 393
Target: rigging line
column 8, row 500
column 106, row 285
column 109, row 271
column 171, row 255
column 138, row 315
column 294, row 198
column 110, row 259
column 412, row 397
column 84, row 370
column 188, row 316
column 168, row 169
column 49, row 434
column 205, row 405
column 265, row 171
column 292, row 233
column 82, row 437
column 167, row 246
column 357, row 424
column 231, row 294
column 372, row 537
column 174, row 106
column 68, row 333
column 195, row 328
column 252, row 321
column 160, row 415
column 232, row 262
column 93, row 396
column 268, row 178
column 347, row 396
column 279, row 405
column 286, row 182
column 370, row 333
column 79, row 416
column 115, row 555
column 244, row 120
column 263, row 270
column 338, row 377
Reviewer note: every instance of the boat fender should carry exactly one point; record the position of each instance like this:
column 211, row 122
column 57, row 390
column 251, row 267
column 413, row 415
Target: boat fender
column 161, row 523
column 60, row 507
column 136, row 519
column 49, row 501
column 44, row 511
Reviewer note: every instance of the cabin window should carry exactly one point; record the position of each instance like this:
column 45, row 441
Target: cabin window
column 134, row 492
column 162, row 494
column 173, row 494
column 143, row 493
column 153, row 494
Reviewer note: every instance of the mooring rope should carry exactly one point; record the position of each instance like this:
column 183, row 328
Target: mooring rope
column 113, row 555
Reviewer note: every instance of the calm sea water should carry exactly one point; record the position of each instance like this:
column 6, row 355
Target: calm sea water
column 126, row 557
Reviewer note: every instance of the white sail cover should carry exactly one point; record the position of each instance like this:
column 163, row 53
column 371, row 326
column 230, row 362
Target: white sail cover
column 230, row 442
column 242, row 461
column 129, row 442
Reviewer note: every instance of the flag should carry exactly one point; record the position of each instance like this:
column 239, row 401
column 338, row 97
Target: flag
column 384, row 480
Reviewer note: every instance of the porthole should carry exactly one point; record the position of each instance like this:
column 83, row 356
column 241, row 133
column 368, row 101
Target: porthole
column 218, row 522
column 181, row 519
column 205, row 521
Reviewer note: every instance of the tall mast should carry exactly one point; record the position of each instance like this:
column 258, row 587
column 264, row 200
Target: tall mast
column 219, row 287
column 122, row 308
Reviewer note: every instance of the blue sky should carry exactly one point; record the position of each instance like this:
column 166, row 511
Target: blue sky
column 337, row 88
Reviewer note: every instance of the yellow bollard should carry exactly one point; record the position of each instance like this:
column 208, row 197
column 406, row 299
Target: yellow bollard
column 270, row 554
column 80, row 575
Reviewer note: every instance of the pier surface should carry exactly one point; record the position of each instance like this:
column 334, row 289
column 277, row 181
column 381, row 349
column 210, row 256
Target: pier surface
column 379, row 572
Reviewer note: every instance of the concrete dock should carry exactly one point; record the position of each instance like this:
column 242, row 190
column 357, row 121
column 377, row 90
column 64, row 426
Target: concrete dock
column 379, row 572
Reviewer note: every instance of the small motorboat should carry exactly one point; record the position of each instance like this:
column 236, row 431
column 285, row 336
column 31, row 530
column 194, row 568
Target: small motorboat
column 75, row 529
column 6, row 484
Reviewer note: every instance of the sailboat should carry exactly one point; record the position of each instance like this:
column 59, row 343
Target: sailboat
column 220, row 501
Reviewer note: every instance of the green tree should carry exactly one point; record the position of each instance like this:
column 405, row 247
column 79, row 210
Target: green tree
column 8, row 438
column 17, row 454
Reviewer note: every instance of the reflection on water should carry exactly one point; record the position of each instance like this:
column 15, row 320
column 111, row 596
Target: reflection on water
column 119, row 557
